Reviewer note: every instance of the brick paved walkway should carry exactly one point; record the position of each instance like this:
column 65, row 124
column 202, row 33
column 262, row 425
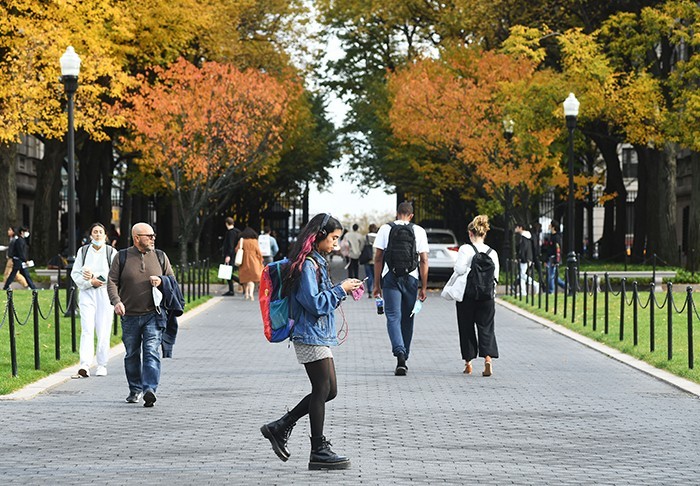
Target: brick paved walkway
column 555, row 412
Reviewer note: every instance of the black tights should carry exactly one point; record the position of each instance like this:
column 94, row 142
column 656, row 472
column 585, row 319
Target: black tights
column 323, row 389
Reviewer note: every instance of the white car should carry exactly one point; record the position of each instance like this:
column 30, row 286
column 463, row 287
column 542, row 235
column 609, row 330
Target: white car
column 443, row 247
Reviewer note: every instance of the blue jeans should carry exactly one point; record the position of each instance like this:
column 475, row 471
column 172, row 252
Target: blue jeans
column 369, row 273
column 141, row 332
column 553, row 276
column 400, row 294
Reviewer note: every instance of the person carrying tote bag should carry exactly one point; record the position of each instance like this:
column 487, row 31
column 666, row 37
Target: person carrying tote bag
column 476, row 311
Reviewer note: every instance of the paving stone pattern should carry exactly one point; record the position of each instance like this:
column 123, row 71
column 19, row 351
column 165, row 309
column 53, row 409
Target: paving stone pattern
column 554, row 412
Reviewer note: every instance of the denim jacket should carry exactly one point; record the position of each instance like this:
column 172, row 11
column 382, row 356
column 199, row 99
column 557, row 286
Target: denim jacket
column 314, row 304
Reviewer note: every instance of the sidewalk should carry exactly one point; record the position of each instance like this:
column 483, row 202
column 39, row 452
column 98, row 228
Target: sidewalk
column 555, row 412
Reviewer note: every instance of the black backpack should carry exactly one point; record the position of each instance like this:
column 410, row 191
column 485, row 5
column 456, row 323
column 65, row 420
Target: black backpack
column 481, row 279
column 400, row 254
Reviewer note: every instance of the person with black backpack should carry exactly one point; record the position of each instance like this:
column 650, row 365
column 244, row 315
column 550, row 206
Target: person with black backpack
column 477, row 308
column 400, row 248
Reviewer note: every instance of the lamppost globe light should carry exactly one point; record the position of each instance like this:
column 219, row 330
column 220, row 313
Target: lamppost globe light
column 571, row 105
column 70, row 63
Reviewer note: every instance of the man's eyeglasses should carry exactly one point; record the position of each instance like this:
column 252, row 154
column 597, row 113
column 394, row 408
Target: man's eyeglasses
column 151, row 237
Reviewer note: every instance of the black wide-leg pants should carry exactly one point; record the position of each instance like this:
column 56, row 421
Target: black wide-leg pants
column 475, row 320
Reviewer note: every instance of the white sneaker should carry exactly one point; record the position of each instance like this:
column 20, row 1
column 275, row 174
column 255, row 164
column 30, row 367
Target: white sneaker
column 101, row 371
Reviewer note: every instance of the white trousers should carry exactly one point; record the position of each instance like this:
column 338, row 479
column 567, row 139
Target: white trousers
column 96, row 314
column 526, row 281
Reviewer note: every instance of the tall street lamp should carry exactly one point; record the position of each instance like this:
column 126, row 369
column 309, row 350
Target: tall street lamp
column 70, row 69
column 571, row 105
column 508, row 129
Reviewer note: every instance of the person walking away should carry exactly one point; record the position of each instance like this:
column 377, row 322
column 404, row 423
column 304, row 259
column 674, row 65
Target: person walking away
column 313, row 300
column 19, row 278
column 477, row 309
column 399, row 247
column 90, row 271
column 553, row 256
column 268, row 245
column 130, row 287
column 250, row 270
column 369, row 266
column 229, row 249
column 525, row 258
column 356, row 241
column 20, row 257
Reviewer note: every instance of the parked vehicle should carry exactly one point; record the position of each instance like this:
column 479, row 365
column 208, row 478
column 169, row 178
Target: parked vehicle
column 443, row 247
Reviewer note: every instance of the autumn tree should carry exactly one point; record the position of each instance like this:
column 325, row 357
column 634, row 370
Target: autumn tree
column 202, row 132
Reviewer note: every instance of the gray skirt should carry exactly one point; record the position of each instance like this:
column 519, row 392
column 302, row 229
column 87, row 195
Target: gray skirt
column 308, row 353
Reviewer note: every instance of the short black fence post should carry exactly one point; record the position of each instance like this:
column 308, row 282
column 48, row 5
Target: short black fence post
column 73, row 340
column 607, row 302
column 669, row 303
column 57, row 322
column 585, row 299
column 208, row 272
column 652, row 340
column 595, row 301
column 189, row 281
column 35, row 311
column 11, row 327
column 567, row 290
column 556, row 287
column 691, row 308
column 623, row 304
column 635, row 312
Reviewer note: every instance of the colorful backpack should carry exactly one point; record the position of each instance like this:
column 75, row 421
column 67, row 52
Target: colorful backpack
column 274, row 308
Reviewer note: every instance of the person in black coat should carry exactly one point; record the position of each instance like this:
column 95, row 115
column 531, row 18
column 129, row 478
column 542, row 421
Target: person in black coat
column 19, row 251
column 229, row 249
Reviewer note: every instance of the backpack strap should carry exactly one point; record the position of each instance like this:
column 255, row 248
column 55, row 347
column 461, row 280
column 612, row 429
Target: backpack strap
column 122, row 261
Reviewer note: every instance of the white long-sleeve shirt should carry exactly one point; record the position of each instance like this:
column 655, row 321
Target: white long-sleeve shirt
column 97, row 261
column 466, row 253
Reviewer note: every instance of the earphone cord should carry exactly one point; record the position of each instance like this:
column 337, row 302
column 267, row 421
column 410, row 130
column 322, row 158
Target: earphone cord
column 344, row 330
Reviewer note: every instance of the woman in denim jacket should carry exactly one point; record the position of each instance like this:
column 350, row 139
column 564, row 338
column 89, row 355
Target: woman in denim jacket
column 313, row 300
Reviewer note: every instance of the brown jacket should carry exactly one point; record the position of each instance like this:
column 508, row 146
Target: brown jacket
column 252, row 266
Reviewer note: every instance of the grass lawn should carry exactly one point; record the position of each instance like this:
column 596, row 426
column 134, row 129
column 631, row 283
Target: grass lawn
column 677, row 365
column 24, row 335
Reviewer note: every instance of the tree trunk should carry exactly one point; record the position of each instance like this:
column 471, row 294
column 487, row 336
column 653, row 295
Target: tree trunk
column 641, row 217
column 661, row 206
column 8, row 187
column 694, row 219
column 45, row 239
column 612, row 243
column 90, row 160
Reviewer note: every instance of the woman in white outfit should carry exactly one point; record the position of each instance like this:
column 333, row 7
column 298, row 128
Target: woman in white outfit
column 89, row 273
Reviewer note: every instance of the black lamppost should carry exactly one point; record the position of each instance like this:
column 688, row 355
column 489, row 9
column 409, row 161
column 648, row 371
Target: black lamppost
column 70, row 69
column 571, row 105
column 508, row 128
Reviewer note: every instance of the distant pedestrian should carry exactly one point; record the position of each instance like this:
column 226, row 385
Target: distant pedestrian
column 20, row 259
column 250, row 270
column 356, row 241
column 400, row 260
column 268, row 245
column 90, row 271
column 131, row 293
column 552, row 253
column 10, row 264
column 313, row 300
column 369, row 266
column 473, row 312
column 525, row 253
column 229, row 249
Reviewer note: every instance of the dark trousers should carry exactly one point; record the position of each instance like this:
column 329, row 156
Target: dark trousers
column 354, row 268
column 17, row 267
column 475, row 320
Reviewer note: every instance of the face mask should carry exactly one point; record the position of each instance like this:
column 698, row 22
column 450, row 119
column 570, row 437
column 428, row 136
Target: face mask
column 98, row 243
column 26, row 234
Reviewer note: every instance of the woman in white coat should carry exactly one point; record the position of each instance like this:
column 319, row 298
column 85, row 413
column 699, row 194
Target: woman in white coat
column 90, row 270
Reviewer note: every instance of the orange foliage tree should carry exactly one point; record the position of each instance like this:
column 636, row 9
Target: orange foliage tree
column 459, row 104
column 200, row 132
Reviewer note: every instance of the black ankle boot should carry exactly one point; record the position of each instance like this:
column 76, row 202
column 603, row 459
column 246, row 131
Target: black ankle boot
column 278, row 433
column 322, row 457
column 401, row 367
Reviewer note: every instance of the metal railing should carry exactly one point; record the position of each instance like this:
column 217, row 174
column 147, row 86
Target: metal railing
column 192, row 277
column 589, row 288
